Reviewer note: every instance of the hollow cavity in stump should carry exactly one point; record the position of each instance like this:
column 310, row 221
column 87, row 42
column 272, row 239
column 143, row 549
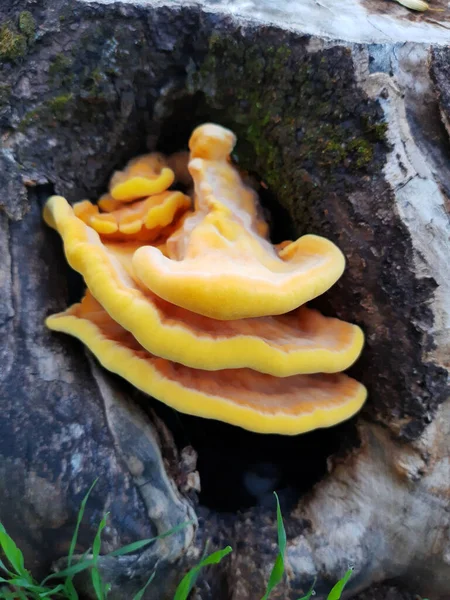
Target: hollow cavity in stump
column 263, row 466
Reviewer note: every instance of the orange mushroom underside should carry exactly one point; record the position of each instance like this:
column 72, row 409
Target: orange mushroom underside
column 266, row 404
column 195, row 306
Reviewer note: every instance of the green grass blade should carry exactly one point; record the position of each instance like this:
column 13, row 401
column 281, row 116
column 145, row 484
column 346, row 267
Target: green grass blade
column 188, row 581
column 135, row 546
column 97, row 583
column 73, row 569
column 70, row 571
column 96, row 547
column 49, row 593
column 280, row 527
column 73, row 543
column 278, row 568
column 4, row 568
column 16, row 594
column 82, row 565
column 310, row 592
column 23, row 583
column 69, row 589
column 141, row 592
column 337, row 590
column 12, row 552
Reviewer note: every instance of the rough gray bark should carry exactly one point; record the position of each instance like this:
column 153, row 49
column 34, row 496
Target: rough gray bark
column 347, row 128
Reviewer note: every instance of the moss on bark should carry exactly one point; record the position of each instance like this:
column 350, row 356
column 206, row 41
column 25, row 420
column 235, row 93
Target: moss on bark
column 13, row 45
column 282, row 96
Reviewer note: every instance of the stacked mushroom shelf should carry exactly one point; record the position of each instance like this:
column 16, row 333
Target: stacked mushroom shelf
column 193, row 304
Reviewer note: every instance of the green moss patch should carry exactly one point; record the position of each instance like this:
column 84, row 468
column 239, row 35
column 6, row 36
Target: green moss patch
column 51, row 112
column 16, row 37
column 294, row 111
column 27, row 25
column 13, row 45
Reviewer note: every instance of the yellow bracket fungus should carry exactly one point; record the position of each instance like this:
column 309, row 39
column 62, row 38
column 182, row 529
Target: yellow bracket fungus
column 256, row 401
column 143, row 176
column 303, row 341
column 219, row 265
column 197, row 307
column 143, row 221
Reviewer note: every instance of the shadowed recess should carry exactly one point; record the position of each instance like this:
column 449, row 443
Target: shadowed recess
column 238, row 469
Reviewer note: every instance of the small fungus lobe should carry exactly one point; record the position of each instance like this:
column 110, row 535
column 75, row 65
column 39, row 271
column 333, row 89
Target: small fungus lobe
column 189, row 301
column 145, row 175
column 143, row 220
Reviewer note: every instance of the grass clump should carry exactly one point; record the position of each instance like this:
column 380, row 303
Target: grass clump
column 16, row 582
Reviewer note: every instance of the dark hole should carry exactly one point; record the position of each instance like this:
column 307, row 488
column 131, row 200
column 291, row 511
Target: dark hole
column 281, row 225
column 40, row 193
column 239, row 469
column 75, row 282
column 186, row 114
column 75, row 286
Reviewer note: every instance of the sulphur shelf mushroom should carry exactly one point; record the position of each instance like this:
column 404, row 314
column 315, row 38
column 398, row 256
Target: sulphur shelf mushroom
column 143, row 221
column 303, row 341
column 145, row 175
column 195, row 306
column 260, row 402
column 218, row 264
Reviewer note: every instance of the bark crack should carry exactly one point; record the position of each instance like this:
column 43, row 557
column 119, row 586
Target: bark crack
column 10, row 303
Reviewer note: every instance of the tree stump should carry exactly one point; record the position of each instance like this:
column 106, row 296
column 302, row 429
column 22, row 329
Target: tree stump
column 342, row 115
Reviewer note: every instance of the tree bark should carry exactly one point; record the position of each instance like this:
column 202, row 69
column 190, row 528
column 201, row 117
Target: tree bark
column 342, row 110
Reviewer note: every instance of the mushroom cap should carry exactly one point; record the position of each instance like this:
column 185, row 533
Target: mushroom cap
column 143, row 220
column 212, row 142
column 143, row 176
column 219, row 262
column 242, row 397
column 303, row 341
column 227, row 273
